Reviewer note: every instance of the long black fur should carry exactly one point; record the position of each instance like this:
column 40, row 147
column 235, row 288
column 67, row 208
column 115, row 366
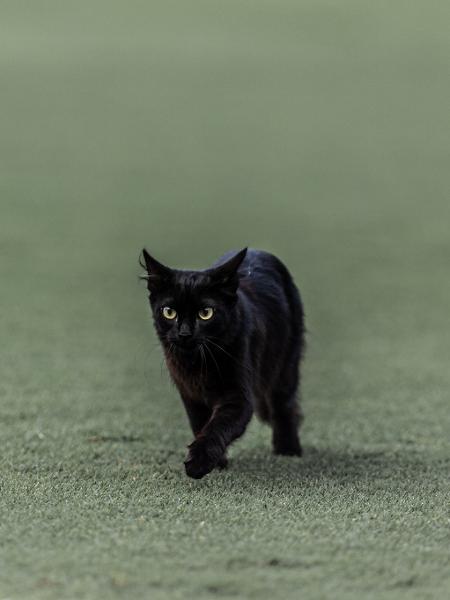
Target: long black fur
column 245, row 358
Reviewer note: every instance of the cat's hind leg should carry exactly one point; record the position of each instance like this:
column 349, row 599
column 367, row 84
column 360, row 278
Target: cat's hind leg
column 285, row 417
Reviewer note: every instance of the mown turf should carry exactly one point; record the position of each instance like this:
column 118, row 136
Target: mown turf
column 314, row 129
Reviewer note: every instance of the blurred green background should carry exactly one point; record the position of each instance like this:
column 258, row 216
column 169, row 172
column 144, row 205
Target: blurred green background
column 318, row 130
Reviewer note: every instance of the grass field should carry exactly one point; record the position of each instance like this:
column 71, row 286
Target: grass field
column 314, row 129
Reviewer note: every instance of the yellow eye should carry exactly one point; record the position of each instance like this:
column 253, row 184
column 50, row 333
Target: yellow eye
column 169, row 313
column 205, row 313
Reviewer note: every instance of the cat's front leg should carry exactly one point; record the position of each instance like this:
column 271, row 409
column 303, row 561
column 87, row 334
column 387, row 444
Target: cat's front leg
column 228, row 421
column 199, row 414
column 197, row 411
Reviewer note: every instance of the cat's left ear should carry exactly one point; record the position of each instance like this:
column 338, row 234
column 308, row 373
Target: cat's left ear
column 158, row 275
column 226, row 275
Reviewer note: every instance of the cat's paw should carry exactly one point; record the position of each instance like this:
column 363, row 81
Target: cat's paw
column 290, row 447
column 286, row 441
column 222, row 463
column 202, row 458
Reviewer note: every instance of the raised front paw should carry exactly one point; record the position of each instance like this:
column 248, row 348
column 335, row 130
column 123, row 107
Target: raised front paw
column 202, row 457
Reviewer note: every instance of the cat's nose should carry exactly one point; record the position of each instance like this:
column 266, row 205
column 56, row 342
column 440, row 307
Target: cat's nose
column 184, row 334
column 185, row 331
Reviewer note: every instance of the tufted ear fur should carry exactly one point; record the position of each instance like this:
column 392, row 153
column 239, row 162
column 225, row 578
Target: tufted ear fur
column 158, row 275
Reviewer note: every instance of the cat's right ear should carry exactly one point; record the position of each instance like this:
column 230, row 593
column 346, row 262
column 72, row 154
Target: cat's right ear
column 158, row 275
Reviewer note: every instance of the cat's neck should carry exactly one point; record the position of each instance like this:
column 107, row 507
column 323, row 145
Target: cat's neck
column 187, row 371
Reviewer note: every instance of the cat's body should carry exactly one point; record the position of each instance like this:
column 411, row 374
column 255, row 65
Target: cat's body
column 232, row 348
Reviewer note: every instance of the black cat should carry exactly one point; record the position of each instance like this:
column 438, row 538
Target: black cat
column 233, row 337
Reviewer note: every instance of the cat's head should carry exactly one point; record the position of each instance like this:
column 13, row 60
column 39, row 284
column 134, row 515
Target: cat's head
column 190, row 307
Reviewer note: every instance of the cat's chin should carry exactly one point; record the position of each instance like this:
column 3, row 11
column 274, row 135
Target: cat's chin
column 184, row 349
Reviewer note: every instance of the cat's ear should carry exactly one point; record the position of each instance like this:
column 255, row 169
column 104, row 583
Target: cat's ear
column 158, row 275
column 226, row 275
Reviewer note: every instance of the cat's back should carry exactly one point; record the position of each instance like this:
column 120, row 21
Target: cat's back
column 265, row 280
column 257, row 264
column 262, row 267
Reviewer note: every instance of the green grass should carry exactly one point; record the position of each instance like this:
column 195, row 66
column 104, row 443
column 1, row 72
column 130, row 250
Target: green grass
column 315, row 129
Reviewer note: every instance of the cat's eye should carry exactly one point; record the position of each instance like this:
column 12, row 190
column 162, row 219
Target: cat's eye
column 169, row 313
column 205, row 313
